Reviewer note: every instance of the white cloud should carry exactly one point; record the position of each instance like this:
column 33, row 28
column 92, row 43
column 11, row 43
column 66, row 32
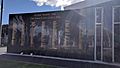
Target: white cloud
column 40, row 2
column 56, row 3
column 51, row 2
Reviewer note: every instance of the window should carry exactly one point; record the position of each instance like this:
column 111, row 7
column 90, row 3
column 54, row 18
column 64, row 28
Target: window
column 98, row 33
column 116, row 33
column 117, row 14
column 99, row 12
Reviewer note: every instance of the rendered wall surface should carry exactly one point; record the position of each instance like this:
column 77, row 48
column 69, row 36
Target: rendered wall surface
column 106, row 19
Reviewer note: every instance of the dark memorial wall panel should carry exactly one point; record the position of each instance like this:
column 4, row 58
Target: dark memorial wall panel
column 60, row 33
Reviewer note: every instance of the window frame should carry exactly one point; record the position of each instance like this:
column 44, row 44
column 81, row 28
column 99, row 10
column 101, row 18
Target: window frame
column 113, row 27
column 101, row 24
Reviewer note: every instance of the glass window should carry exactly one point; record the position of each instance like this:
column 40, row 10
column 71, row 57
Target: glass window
column 117, row 14
column 99, row 15
column 98, row 41
column 117, row 33
column 117, row 41
column 107, row 38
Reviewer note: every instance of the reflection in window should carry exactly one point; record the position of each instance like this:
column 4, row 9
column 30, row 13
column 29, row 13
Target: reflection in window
column 98, row 15
column 106, row 38
column 107, row 47
column 117, row 14
column 117, row 41
column 117, row 33
column 98, row 41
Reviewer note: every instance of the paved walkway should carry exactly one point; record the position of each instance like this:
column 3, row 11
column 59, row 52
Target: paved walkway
column 61, row 62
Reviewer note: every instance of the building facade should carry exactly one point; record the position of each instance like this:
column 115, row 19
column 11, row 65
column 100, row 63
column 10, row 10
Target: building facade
column 88, row 30
column 101, row 19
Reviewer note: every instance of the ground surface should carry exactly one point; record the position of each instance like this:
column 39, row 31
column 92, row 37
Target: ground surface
column 6, row 63
column 16, row 64
column 48, row 60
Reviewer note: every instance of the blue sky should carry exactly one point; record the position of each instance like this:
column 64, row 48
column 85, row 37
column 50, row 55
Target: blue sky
column 23, row 6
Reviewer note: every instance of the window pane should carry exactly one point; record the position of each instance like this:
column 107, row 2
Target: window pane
column 107, row 45
column 98, row 41
column 117, row 14
column 117, row 42
column 99, row 15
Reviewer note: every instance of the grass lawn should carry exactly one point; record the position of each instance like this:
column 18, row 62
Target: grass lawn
column 15, row 64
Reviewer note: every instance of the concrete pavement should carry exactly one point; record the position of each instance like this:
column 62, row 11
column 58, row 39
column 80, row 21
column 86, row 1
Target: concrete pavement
column 61, row 62
column 56, row 61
